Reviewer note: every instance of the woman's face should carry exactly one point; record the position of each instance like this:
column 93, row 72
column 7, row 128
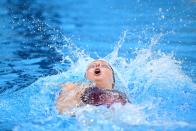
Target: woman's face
column 99, row 70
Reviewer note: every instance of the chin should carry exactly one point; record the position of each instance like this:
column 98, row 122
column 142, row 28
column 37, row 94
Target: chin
column 98, row 79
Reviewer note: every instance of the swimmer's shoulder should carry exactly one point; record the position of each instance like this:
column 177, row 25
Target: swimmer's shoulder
column 76, row 85
column 67, row 86
column 122, row 94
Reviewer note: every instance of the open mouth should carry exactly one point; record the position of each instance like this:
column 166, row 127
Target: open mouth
column 97, row 71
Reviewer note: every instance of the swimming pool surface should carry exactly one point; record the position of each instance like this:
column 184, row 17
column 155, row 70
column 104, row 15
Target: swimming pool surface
column 150, row 44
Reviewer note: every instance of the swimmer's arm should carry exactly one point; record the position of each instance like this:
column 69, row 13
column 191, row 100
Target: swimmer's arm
column 69, row 97
column 66, row 100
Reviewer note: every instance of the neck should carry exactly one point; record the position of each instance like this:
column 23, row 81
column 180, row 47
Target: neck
column 103, row 85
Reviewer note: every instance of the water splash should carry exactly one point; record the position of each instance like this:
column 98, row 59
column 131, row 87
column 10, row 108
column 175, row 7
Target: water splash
column 112, row 57
column 153, row 81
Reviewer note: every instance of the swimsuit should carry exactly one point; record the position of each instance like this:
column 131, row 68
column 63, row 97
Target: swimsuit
column 96, row 96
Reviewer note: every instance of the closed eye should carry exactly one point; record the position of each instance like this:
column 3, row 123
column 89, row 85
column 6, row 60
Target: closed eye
column 90, row 67
column 105, row 66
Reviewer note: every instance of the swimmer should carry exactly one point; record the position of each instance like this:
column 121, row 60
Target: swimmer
column 99, row 92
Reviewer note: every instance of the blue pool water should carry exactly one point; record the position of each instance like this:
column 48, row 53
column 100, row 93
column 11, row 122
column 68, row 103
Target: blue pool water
column 150, row 44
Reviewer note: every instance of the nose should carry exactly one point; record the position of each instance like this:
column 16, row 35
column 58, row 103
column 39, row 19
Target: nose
column 97, row 64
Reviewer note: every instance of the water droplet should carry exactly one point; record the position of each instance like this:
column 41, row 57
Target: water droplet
column 160, row 9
